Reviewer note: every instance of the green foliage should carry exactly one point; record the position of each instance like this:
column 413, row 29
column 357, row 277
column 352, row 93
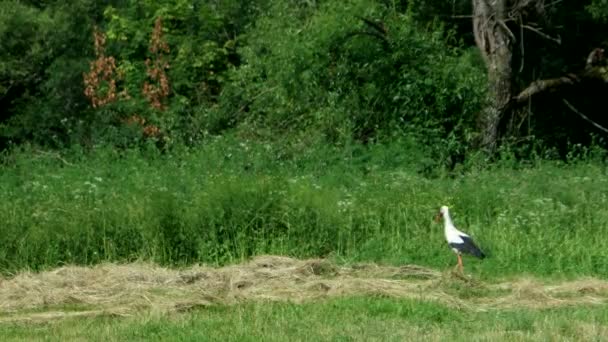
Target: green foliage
column 301, row 71
column 599, row 9
column 23, row 44
column 47, row 50
column 201, row 36
column 24, row 50
column 47, row 47
column 329, row 72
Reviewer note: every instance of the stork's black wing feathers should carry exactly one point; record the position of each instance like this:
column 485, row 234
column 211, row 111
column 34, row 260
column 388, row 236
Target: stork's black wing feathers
column 468, row 246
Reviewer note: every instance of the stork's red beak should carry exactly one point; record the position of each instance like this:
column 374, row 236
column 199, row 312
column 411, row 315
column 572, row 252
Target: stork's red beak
column 438, row 217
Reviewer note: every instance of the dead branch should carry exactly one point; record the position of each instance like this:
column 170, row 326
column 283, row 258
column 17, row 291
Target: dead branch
column 598, row 126
column 557, row 40
column 462, row 16
column 545, row 85
column 595, row 70
column 553, row 3
column 521, row 42
column 597, row 73
column 507, row 29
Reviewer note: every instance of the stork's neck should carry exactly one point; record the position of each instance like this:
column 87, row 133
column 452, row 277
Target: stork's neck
column 447, row 221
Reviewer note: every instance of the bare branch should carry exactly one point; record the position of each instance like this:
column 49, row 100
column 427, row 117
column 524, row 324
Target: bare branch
column 521, row 42
column 544, row 85
column 511, row 35
column 598, row 126
column 553, row 3
column 461, row 16
column 557, row 40
column 595, row 70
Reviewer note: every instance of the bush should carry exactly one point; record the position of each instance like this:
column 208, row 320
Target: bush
column 47, row 47
column 44, row 51
column 349, row 70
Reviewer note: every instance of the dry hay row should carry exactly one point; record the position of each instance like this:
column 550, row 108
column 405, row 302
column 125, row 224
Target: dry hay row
column 111, row 289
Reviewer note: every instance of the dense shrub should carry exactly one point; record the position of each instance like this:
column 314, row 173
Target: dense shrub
column 47, row 47
column 352, row 70
column 44, row 52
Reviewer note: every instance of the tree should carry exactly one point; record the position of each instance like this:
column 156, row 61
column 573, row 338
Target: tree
column 496, row 40
column 556, row 37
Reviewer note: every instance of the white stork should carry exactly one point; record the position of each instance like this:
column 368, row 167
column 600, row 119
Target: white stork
column 457, row 240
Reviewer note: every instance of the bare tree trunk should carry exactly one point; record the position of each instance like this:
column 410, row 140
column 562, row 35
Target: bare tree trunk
column 495, row 41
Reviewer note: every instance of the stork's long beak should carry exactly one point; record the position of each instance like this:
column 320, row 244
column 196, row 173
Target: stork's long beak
column 438, row 217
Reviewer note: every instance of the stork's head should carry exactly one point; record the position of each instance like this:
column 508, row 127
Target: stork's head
column 443, row 211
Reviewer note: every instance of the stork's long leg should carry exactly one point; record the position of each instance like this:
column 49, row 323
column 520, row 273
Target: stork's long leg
column 460, row 265
column 457, row 266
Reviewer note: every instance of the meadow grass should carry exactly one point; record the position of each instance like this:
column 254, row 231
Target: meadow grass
column 341, row 319
column 231, row 199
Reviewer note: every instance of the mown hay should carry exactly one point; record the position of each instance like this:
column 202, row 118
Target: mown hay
column 111, row 289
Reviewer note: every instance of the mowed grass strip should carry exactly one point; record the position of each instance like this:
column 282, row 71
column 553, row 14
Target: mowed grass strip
column 133, row 289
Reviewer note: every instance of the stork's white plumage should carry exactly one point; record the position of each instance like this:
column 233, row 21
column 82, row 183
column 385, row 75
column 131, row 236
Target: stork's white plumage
column 457, row 240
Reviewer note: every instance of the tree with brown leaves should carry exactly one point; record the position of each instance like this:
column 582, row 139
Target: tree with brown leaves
column 100, row 82
column 157, row 90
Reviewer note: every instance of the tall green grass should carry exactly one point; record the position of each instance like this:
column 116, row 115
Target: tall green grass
column 232, row 199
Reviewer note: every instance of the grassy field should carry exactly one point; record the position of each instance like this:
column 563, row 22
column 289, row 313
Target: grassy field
column 228, row 201
column 366, row 213
column 345, row 319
